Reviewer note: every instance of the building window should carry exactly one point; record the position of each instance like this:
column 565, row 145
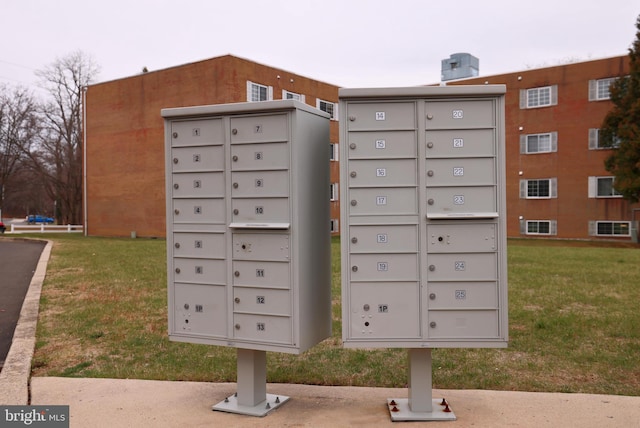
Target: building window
column 334, row 156
column 539, row 97
column 594, row 140
column 540, row 227
column 329, row 107
column 602, row 187
column 286, row 95
column 599, row 89
column 334, row 191
column 335, row 225
column 539, row 143
column 257, row 92
column 610, row 228
column 539, row 189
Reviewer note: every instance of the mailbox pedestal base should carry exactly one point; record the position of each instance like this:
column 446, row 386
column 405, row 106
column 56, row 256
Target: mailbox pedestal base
column 252, row 398
column 420, row 406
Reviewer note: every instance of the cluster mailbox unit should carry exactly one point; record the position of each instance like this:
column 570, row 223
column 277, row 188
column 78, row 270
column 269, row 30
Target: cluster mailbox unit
column 248, row 242
column 423, row 226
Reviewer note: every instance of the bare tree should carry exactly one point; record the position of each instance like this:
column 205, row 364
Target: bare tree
column 58, row 154
column 18, row 130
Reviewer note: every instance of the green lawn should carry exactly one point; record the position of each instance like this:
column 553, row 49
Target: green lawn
column 574, row 315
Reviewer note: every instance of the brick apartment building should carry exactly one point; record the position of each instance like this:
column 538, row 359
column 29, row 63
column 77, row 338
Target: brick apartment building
column 556, row 182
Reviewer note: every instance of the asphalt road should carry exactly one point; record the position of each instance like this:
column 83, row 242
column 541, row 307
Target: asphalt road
column 18, row 261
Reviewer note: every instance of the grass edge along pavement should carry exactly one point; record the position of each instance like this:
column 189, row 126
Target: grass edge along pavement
column 574, row 325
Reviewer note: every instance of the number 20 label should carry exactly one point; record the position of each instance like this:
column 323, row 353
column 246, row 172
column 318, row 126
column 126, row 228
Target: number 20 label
column 458, row 114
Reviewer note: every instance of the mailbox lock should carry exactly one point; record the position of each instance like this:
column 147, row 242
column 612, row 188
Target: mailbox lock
column 432, row 268
column 176, row 186
column 352, row 118
column 186, row 306
column 237, row 300
column 430, row 173
column 235, row 185
column 366, row 307
column 235, row 212
column 354, row 240
column 175, row 160
column 432, row 324
column 354, row 268
column 235, row 158
column 352, row 146
column 432, row 296
column 175, row 135
column 237, row 326
column 440, row 239
column 353, row 174
column 177, row 245
column 430, row 201
column 176, row 211
column 234, row 131
column 429, row 116
column 236, row 273
column 354, row 202
column 177, row 270
column 430, row 145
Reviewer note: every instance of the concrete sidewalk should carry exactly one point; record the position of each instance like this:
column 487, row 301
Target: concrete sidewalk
column 143, row 403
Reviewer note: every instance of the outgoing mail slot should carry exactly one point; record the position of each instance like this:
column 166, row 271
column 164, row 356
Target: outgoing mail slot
column 382, row 201
column 260, row 183
column 382, row 144
column 462, row 267
column 384, row 310
column 384, row 267
column 459, row 238
column 462, row 295
column 260, row 210
column 392, row 115
column 198, row 185
column 262, row 328
column 199, row 271
column 209, row 158
column 383, row 239
column 382, row 172
column 461, row 202
column 199, row 245
column 261, row 274
column 200, row 310
column 262, row 301
column 261, row 246
column 461, row 172
column 463, row 324
column 460, row 143
column 460, row 114
column 259, row 156
column 259, row 129
column 211, row 211
column 197, row 132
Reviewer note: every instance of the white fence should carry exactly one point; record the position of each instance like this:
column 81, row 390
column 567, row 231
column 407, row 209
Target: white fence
column 45, row 228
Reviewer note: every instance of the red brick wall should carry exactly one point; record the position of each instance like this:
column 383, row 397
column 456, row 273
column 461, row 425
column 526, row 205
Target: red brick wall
column 125, row 135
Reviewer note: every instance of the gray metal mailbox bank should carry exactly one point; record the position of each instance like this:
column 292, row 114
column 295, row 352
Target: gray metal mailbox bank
column 248, row 244
column 423, row 226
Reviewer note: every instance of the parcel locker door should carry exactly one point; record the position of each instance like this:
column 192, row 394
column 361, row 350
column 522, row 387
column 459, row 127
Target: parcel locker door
column 200, row 310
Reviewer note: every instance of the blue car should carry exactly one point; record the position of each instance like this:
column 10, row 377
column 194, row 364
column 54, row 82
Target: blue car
column 35, row 219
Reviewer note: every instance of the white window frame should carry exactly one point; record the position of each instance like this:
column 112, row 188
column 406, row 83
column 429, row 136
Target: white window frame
column 553, row 188
column 594, row 187
column 594, row 140
column 553, row 143
column 334, row 192
column 594, row 227
column 552, row 226
column 334, row 113
column 334, row 152
column 334, row 225
column 599, row 89
column 250, row 87
column 288, row 95
column 530, row 98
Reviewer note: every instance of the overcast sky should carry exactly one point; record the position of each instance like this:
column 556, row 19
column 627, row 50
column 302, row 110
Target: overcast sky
column 349, row 43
